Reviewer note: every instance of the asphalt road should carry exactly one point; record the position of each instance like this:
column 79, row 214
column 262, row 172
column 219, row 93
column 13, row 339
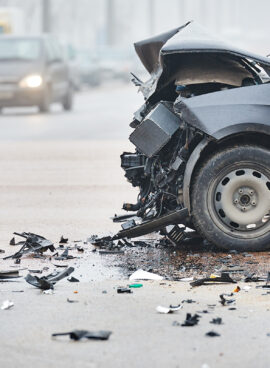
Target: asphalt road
column 60, row 175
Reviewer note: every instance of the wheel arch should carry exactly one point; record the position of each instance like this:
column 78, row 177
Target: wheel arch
column 207, row 146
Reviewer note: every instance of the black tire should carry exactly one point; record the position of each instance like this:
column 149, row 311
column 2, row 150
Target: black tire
column 234, row 180
column 44, row 105
column 68, row 100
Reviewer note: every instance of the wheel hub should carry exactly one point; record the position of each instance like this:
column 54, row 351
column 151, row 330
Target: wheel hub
column 242, row 199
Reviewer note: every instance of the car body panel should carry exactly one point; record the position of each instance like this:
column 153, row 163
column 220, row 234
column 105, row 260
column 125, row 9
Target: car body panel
column 228, row 112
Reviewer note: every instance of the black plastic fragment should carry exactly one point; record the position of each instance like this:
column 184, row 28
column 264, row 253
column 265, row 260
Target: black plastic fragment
column 224, row 278
column 191, row 320
column 217, row 321
column 33, row 244
column 63, row 240
column 225, row 301
column 212, row 334
column 9, row 275
column 73, row 279
column 111, row 251
column 47, row 282
column 122, row 290
column 72, row 301
column 79, row 334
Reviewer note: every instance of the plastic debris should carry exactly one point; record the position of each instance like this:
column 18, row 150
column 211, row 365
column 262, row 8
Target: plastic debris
column 166, row 310
column 33, row 244
column 225, row 301
column 224, row 278
column 47, row 282
column 63, row 240
column 135, row 286
column 48, row 292
column 73, row 279
column 212, row 334
column 246, row 288
column 144, row 275
column 6, row 275
column 79, row 334
column 237, row 289
column 7, row 304
column 191, row 320
column 72, row 301
column 217, row 321
column 123, row 290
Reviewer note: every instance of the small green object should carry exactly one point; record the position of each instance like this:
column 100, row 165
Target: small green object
column 135, row 286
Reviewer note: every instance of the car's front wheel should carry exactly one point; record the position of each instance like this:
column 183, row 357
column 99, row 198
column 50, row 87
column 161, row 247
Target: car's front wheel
column 231, row 198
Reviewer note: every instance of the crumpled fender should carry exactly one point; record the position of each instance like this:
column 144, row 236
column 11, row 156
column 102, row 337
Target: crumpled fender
column 220, row 114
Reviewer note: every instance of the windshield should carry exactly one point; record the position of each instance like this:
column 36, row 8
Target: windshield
column 19, row 49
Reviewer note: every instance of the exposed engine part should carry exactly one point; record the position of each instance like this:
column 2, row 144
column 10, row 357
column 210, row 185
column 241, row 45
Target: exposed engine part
column 156, row 129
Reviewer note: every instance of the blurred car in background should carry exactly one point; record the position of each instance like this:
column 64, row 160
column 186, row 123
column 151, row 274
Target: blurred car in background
column 33, row 72
column 70, row 56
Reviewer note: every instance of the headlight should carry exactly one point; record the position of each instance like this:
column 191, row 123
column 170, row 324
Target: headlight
column 31, row 81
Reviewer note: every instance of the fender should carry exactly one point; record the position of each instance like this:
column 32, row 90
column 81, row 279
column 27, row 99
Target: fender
column 191, row 163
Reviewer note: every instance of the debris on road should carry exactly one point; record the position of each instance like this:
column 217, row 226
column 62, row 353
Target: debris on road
column 217, row 321
column 47, row 282
column 225, row 301
column 80, row 334
column 212, row 334
column 73, row 279
column 144, row 275
column 237, row 289
column 124, row 290
column 63, row 240
column 135, row 286
column 6, row 275
column 72, row 301
column 224, row 278
column 191, row 320
column 166, row 310
column 7, row 305
column 33, row 244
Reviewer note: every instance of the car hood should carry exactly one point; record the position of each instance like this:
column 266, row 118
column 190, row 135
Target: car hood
column 13, row 71
column 157, row 53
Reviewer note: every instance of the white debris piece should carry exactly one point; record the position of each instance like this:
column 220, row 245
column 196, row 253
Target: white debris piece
column 48, row 292
column 246, row 288
column 186, row 279
column 7, row 304
column 144, row 275
column 165, row 310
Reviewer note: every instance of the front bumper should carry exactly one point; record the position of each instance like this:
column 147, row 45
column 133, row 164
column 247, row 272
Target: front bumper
column 13, row 95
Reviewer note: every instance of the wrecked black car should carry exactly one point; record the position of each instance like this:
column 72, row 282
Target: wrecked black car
column 202, row 139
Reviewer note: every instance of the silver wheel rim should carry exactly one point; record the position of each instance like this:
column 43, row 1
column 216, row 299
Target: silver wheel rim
column 242, row 201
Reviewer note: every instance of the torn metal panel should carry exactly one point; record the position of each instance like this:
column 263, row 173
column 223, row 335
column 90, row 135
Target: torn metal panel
column 228, row 112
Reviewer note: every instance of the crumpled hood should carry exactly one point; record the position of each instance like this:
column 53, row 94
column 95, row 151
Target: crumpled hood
column 157, row 53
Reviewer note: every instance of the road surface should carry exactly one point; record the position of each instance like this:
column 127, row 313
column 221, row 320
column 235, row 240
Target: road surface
column 60, row 175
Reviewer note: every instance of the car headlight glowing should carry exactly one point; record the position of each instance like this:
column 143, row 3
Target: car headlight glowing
column 31, row 81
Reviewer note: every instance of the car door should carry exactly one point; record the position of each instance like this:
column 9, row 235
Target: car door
column 57, row 71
